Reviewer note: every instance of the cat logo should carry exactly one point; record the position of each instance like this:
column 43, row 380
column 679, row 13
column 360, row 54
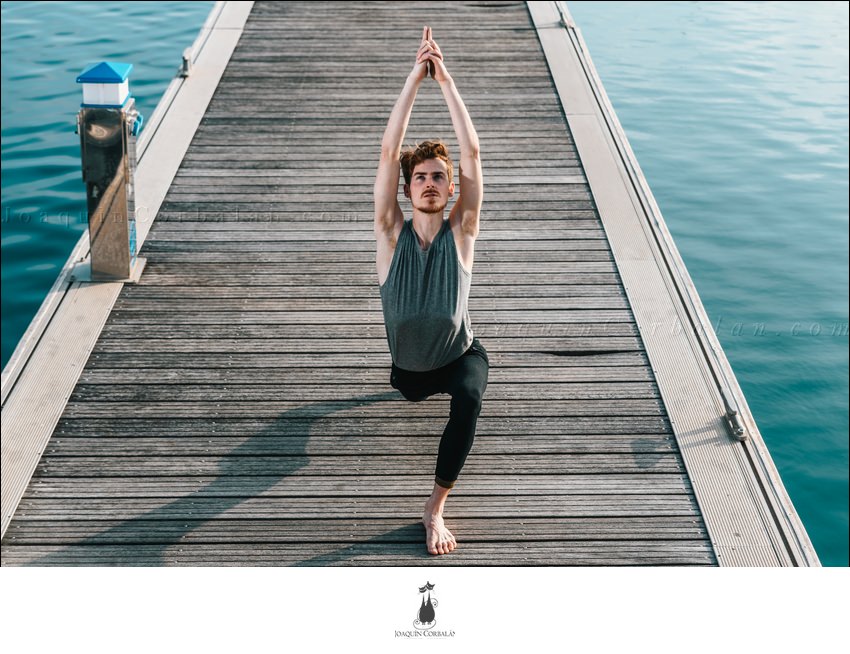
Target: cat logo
column 427, row 617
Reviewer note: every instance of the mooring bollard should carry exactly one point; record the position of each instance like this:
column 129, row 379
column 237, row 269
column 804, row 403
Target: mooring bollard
column 108, row 124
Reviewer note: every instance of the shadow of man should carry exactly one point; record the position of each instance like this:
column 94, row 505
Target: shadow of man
column 242, row 478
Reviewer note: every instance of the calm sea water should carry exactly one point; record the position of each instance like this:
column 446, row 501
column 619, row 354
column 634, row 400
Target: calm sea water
column 738, row 115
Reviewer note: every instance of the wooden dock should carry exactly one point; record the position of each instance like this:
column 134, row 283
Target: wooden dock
column 234, row 407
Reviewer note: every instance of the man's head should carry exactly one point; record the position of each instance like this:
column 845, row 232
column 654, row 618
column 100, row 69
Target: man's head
column 428, row 173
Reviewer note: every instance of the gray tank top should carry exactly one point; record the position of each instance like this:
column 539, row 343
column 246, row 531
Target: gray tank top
column 425, row 301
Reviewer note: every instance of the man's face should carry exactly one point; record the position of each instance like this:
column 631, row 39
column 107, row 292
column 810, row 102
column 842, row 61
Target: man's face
column 430, row 188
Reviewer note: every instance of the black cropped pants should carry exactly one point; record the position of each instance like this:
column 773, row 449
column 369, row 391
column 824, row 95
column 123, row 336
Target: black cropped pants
column 465, row 379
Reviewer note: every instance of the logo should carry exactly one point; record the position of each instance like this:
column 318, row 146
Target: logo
column 426, row 617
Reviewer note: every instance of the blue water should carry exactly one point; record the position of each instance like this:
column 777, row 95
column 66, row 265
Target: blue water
column 737, row 113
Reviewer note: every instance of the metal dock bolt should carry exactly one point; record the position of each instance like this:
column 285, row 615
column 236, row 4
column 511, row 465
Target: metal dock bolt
column 108, row 124
column 733, row 417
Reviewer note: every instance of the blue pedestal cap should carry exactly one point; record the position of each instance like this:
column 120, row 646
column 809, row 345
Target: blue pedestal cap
column 105, row 72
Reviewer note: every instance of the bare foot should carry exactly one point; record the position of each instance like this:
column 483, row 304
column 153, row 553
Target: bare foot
column 438, row 539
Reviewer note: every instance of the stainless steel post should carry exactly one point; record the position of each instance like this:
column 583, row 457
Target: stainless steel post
column 108, row 132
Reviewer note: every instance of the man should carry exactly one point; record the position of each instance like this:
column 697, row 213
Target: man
column 425, row 269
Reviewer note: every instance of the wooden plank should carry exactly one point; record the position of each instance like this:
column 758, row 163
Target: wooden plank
column 181, row 278
column 567, row 173
column 567, row 346
column 189, row 360
column 361, row 486
column 437, row 406
column 175, row 232
column 249, row 506
column 478, row 292
column 349, row 422
column 197, row 223
column 136, row 445
column 265, row 466
column 209, row 220
column 574, row 398
column 200, row 252
column 501, row 250
column 265, row 339
column 341, row 306
column 498, row 167
column 247, row 232
column 233, row 207
column 314, row 374
column 211, row 233
column 641, row 553
column 282, row 319
column 346, row 530
column 323, row 272
column 307, row 235
column 531, row 338
column 341, row 190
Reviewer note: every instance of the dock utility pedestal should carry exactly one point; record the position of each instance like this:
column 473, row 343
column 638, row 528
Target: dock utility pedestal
column 108, row 133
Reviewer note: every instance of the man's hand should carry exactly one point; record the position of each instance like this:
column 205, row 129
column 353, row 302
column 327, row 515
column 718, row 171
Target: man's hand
column 429, row 59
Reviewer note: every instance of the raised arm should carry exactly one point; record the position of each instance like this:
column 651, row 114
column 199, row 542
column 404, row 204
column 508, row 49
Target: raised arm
column 471, row 178
column 387, row 210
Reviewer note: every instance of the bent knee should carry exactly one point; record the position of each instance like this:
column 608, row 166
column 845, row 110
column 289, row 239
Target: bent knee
column 469, row 397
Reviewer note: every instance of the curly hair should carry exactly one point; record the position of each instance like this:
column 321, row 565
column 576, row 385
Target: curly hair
column 411, row 157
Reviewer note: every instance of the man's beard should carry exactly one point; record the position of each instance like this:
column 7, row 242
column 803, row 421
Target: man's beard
column 432, row 208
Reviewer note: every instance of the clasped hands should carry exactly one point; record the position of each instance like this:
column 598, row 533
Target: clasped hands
column 429, row 59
